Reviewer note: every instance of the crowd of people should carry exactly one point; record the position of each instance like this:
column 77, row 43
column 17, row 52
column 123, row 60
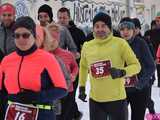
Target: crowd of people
column 42, row 65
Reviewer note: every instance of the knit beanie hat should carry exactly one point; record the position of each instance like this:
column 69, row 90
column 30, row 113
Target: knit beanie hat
column 104, row 18
column 7, row 7
column 158, row 15
column 128, row 19
column 126, row 24
column 26, row 22
column 47, row 9
column 136, row 23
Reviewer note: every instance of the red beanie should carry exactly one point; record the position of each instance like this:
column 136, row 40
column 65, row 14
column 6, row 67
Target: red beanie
column 7, row 7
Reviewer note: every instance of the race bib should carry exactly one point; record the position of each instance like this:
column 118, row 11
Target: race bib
column 131, row 81
column 17, row 111
column 100, row 69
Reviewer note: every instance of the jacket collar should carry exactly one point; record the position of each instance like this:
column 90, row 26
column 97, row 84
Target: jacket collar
column 27, row 52
column 130, row 41
column 105, row 40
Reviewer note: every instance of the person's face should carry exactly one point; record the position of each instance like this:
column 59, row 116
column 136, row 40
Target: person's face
column 7, row 18
column 43, row 18
column 55, row 33
column 126, row 33
column 23, row 38
column 158, row 22
column 63, row 18
column 101, row 30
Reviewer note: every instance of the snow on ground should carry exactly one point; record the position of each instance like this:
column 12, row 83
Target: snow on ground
column 83, row 107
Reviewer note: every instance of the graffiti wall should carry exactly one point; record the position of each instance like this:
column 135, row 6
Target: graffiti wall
column 83, row 11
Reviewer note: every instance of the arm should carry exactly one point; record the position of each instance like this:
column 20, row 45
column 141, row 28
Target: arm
column 74, row 68
column 57, row 79
column 69, row 41
column 147, row 63
column 83, row 72
column 158, row 54
column 133, row 66
column 65, row 71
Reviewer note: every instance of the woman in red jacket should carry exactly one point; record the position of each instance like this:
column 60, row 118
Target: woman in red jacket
column 52, row 45
column 32, row 77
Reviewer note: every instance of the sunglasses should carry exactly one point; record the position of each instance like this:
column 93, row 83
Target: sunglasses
column 8, row 15
column 23, row 35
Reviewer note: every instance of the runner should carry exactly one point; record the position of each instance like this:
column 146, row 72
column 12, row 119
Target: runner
column 138, row 86
column 104, row 58
column 32, row 81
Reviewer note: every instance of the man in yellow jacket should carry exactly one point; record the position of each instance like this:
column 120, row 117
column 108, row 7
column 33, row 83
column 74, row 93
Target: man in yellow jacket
column 109, row 60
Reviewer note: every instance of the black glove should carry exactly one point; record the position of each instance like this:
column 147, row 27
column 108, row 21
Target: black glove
column 117, row 73
column 82, row 95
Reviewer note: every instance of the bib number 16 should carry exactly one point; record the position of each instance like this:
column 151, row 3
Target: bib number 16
column 20, row 116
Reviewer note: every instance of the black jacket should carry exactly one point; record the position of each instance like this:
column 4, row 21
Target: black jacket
column 142, row 52
column 77, row 35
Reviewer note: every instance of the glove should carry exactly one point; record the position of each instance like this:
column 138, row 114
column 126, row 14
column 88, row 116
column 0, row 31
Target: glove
column 117, row 73
column 82, row 95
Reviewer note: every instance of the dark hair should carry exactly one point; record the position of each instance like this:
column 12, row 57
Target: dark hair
column 153, row 22
column 126, row 19
column 137, row 23
column 64, row 9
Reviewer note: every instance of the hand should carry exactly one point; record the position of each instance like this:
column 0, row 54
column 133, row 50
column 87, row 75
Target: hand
column 82, row 96
column 117, row 73
column 73, row 78
column 77, row 55
column 157, row 61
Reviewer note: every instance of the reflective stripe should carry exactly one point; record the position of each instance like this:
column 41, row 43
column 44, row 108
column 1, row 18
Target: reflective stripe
column 45, row 107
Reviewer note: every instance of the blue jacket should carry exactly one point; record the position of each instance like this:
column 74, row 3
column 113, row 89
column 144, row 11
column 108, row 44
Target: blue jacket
column 141, row 49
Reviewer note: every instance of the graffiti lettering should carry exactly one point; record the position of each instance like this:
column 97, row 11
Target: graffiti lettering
column 21, row 9
column 83, row 12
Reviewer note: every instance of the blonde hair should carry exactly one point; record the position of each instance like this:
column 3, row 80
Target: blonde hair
column 54, row 25
column 49, row 43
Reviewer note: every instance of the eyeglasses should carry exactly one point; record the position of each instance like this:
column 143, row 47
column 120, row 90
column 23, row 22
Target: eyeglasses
column 8, row 15
column 23, row 35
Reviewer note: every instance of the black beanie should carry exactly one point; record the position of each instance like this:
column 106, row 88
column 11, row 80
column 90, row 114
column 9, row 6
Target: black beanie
column 104, row 18
column 126, row 19
column 26, row 22
column 47, row 9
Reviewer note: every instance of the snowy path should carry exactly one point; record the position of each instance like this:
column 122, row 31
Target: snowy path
column 83, row 107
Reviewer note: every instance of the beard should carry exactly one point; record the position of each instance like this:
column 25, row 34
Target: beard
column 102, row 34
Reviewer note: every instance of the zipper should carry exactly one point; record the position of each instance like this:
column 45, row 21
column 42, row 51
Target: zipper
column 20, row 66
column 5, row 41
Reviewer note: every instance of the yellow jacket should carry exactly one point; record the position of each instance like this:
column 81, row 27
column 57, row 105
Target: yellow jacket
column 95, row 57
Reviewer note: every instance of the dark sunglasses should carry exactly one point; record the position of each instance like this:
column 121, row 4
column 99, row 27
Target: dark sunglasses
column 24, row 35
column 4, row 15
